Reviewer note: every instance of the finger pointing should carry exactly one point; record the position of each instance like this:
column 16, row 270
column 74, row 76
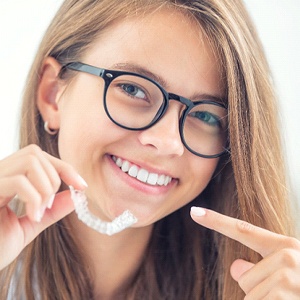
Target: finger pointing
column 258, row 239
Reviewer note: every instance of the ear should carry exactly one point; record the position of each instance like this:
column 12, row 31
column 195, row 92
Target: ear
column 49, row 92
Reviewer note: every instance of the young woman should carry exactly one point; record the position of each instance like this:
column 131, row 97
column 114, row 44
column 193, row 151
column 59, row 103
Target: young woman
column 162, row 106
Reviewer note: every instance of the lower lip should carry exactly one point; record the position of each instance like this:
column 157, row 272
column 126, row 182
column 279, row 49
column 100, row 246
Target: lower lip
column 138, row 185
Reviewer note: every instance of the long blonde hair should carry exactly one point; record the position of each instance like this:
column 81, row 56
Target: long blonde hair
column 183, row 261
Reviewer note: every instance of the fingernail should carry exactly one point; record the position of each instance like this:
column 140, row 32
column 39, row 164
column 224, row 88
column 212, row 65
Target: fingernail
column 50, row 201
column 39, row 214
column 198, row 211
column 82, row 181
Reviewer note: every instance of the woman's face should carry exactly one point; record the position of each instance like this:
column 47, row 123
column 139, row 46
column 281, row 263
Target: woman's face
column 169, row 46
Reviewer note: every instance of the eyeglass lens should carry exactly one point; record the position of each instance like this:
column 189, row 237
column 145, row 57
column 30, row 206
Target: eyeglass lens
column 134, row 102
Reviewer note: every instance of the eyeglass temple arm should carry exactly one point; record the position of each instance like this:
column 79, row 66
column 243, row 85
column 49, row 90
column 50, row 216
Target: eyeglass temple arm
column 78, row 66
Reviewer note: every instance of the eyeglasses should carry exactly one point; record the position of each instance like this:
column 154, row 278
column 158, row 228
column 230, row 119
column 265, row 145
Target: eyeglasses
column 136, row 102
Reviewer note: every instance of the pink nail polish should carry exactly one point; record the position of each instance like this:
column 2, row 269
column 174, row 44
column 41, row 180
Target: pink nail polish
column 39, row 214
column 82, row 181
column 50, row 201
column 198, row 211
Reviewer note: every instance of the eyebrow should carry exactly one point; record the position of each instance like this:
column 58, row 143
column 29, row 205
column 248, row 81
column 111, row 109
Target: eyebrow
column 134, row 68
column 140, row 70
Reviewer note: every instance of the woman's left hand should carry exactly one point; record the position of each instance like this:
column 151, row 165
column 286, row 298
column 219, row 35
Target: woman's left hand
column 277, row 275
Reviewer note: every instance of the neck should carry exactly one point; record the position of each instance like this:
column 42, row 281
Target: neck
column 113, row 259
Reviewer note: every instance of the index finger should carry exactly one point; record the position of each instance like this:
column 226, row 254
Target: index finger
column 67, row 173
column 258, row 239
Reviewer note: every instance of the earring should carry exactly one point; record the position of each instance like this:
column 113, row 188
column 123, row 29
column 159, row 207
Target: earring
column 49, row 130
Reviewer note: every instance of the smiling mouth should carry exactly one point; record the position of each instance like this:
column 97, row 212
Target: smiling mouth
column 142, row 174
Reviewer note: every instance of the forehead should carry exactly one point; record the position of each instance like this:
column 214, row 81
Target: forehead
column 167, row 42
column 165, row 28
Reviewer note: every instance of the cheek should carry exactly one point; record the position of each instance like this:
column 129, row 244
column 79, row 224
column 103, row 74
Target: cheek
column 201, row 174
column 72, row 142
column 85, row 130
column 80, row 122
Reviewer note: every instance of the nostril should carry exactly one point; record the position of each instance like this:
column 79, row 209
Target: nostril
column 164, row 136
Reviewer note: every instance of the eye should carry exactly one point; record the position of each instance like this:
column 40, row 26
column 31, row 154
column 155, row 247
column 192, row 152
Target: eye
column 206, row 117
column 133, row 90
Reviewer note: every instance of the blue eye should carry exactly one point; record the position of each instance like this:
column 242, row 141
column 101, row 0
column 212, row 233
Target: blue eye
column 133, row 90
column 206, row 117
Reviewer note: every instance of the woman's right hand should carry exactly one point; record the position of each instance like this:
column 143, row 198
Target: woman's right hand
column 34, row 177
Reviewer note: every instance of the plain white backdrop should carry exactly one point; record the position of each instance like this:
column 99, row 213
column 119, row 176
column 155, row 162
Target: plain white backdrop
column 22, row 24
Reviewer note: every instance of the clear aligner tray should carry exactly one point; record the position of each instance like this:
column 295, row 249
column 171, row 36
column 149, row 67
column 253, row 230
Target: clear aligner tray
column 123, row 221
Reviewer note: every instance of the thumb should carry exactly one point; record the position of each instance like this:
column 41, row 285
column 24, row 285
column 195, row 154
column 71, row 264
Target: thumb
column 239, row 267
column 62, row 206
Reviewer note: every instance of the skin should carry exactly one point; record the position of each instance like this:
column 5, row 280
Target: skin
column 87, row 139
column 20, row 175
column 158, row 149
column 276, row 276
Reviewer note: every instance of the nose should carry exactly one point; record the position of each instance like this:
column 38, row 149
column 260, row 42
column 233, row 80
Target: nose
column 164, row 136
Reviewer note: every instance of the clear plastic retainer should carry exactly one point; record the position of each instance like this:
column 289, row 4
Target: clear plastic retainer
column 123, row 221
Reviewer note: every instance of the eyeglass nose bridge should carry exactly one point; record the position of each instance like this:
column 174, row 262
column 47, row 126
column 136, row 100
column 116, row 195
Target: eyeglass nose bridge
column 163, row 109
column 185, row 101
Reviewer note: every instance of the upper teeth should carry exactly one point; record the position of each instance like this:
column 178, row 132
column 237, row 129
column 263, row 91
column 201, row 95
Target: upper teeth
column 141, row 174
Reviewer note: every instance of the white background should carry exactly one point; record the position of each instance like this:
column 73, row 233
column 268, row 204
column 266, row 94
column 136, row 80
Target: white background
column 22, row 24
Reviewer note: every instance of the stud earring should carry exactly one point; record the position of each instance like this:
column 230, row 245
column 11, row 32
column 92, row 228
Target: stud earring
column 49, row 130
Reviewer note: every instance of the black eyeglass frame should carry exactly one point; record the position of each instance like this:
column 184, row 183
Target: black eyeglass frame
column 109, row 75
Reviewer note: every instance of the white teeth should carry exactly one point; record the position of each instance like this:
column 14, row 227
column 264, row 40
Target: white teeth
column 167, row 180
column 142, row 174
column 119, row 162
column 161, row 179
column 125, row 166
column 133, row 171
column 152, row 178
